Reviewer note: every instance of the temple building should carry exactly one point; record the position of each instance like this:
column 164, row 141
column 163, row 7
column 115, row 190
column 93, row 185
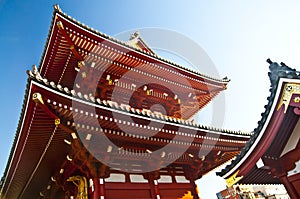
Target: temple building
column 272, row 154
column 108, row 119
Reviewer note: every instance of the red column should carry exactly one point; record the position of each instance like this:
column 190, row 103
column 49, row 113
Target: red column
column 156, row 189
column 289, row 187
column 152, row 188
column 101, row 188
column 191, row 174
column 194, row 190
column 91, row 188
column 153, row 183
column 97, row 190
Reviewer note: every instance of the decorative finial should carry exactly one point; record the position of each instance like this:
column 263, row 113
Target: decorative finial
column 269, row 61
column 37, row 98
column 35, row 71
column 60, row 25
column 57, row 8
column 136, row 34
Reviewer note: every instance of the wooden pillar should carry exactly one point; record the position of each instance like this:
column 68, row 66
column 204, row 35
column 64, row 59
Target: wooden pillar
column 152, row 180
column 289, row 187
column 91, row 188
column 192, row 175
column 194, row 190
column 101, row 188
column 97, row 190
column 154, row 190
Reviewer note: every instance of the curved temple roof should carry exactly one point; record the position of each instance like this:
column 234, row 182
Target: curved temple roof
column 72, row 48
column 35, row 75
column 278, row 74
column 147, row 52
column 236, row 139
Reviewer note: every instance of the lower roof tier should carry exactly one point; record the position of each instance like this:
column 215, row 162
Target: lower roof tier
column 53, row 120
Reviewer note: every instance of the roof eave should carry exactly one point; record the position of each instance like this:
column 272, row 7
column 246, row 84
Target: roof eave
column 278, row 75
column 57, row 10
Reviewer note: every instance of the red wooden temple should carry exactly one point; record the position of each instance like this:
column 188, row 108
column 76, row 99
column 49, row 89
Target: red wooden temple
column 272, row 154
column 103, row 118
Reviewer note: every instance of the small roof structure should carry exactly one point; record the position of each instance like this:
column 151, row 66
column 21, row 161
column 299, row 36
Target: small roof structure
column 272, row 154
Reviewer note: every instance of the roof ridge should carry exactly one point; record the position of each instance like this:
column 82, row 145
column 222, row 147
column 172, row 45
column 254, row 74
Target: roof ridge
column 34, row 74
column 57, row 9
column 136, row 36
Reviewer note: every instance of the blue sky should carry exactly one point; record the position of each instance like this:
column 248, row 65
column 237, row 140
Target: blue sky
column 238, row 37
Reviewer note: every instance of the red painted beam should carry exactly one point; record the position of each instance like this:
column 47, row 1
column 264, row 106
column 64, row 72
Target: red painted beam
column 264, row 143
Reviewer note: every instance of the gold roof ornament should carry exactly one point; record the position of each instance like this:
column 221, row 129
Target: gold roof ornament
column 288, row 91
column 233, row 179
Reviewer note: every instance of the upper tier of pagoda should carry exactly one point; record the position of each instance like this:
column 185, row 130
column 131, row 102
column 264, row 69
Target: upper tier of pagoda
column 128, row 73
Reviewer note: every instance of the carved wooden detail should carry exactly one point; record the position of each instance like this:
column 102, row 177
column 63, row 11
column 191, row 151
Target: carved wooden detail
column 86, row 163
